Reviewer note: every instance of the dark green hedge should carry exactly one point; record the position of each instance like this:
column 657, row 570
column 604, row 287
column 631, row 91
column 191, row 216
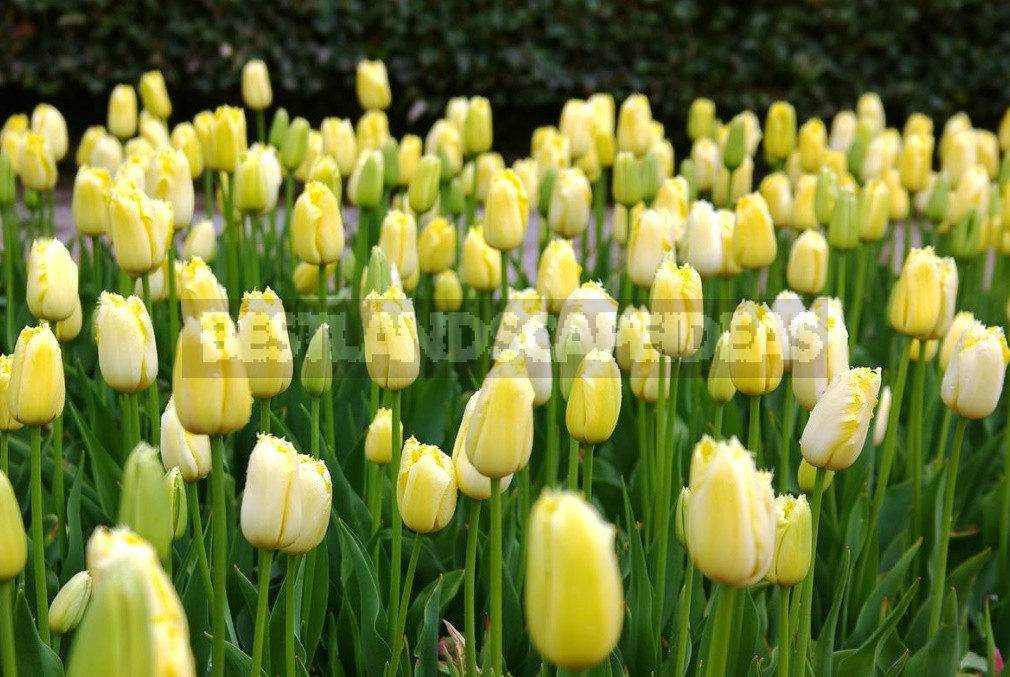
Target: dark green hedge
column 526, row 55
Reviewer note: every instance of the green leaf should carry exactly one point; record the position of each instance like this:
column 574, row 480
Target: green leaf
column 639, row 643
column 427, row 641
column 356, row 565
column 33, row 655
column 942, row 653
column 107, row 472
column 886, row 588
column 859, row 662
column 824, row 651
column 318, row 601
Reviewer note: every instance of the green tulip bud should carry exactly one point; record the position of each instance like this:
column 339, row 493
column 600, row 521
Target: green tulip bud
column 317, row 369
column 180, row 506
column 33, row 200
column 690, row 174
column 648, row 172
column 843, row 230
column 279, row 128
column 939, row 199
column 825, row 195
column 628, row 188
column 296, row 144
column 571, row 352
column 364, row 188
column 857, row 151
column 736, row 144
column 67, row 609
column 146, row 502
column 546, row 189
column 8, row 188
column 390, row 162
column 379, row 273
column 966, row 236
column 1004, row 171
column 423, row 188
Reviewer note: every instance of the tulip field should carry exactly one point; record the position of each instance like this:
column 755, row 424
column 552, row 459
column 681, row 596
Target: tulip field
column 287, row 397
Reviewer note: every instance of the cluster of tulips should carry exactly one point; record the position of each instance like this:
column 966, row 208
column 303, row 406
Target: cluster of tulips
column 691, row 287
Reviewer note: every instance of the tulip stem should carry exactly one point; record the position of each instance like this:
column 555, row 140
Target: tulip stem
column 720, row 409
column 1004, row 532
column 862, row 260
column 718, row 649
column 684, row 622
column 261, row 134
column 173, row 304
column 551, row 457
column 193, row 498
column 941, row 447
column 469, row 587
column 262, row 602
column 233, row 278
column 669, row 465
column 8, row 654
column 914, row 441
column 153, row 411
column 265, row 414
column 396, row 524
column 936, row 601
column 587, row 480
column 754, row 434
column 496, row 578
column 573, row 464
column 59, row 493
column 807, row 591
column 658, row 450
column 505, row 281
column 314, row 439
column 891, row 438
column 784, row 640
column 289, row 616
column 401, row 619
column 5, row 452
column 842, row 260
column 322, row 293
column 208, row 194
column 220, row 545
column 10, row 242
column 599, row 216
column 788, row 425
column 38, row 542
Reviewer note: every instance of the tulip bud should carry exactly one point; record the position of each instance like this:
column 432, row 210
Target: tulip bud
column 477, row 134
column 634, row 133
column 89, row 208
column 14, row 541
column 754, row 243
column 628, row 188
column 594, row 401
column 127, row 353
column 140, row 228
column 169, row 179
column 51, row 281
column 398, row 240
column 201, row 241
column 825, row 196
column 843, row 231
column 7, row 422
column 199, row 291
column 392, row 352
column 939, row 198
column 707, row 163
column 227, row 138
column 701, row 119
column 379, row 438
column 654, row 168
column 755, row 352
column 506, row 211
column 314, row 492
column 36, row 392
column 644, row 377
column 806, row 477
column 557, row 274
column 730, row 547
column 598, row 312
column 500, row 437
column 813, row 139
column 804, row 216
column 317, row 226
column 793, row 541
column 874, row 210
column 182, row 450
column 836, row 430
column 870, row 109
column 481, row 263
column 735, row 149
column 212, row 395
column 916, row 161
column 676, row 310
column 648, row 244
column 960, row 323
column 146, row 501
column 778, row 197
column 271, row 515
column 257, row 93
column 470, row 482
column 92, row 135
column 720, row 383
column 570, row 203
column 923, row 301
column 365, row 185
column 36, row 163
column 973, row 381
column 154, row 94
column 266, row 348
column 436, row 246
column 807, row 269
column 567, row 534
column 820, row 353
column 780, row 130
column 69, row 605
column 425, row 487
column 843, row 131
column 448, row 292
column 49, row 123
column 423, row 185
column 257, row 180
column 372, row 85
column 122, row 118
column 702, row 244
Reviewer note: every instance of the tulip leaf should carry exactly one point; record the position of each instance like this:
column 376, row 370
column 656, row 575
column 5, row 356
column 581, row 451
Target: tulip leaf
column 75, row 530
column 825, row 649
column 427, row 640
column 34, row 657
column 317, row 601
column 859, row 662
column 107, row 472
column 942, row 653
column 237, row 663
column 639, row 641
column 885, row 589
column 356, row 565
column 962, row 579
column 196, row 603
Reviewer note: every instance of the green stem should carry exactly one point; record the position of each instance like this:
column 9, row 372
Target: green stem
column 233, row 278
column 173, row 303
column 321, row 307
column 261, row 135
column 887, row 460
column 290, row 632
column 10, row 244
column 668, row 465
column 469, row 587
column 401, row 620
column 253, row 251
column 914, row 435
column 754, row 434
column 208, row 193
column 59, row 493
column 661, row 390
column 193, row 498
column 672, row 470
column 220, row 547
column 946, row 522
column 1004, row 531
column 573, row 464
column 4, row 453
column 862, row 261
column 396, row 524
column 153, row 411
column 684, row 622
column 262, row 602
column 788, row 426
column 374, row 479
column 38, row 541
column 505, row 280
column 843, row 260
column 941, row 447
column 720, row 409
column 265, row 415
column 314, row 439
column 784, row 639
column 587, row 479
column 497, row 662
column 718, row 650
column 8, row 654
column 551, row 456
column 599, row 217
column 807, row 591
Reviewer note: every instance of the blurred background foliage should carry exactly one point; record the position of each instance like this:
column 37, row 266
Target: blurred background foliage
column 527, row 56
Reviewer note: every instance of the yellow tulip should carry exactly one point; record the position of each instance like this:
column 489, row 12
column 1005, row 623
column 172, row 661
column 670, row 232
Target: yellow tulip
column 755, row 352
column 820, row 352
column 523, row 306
column 843, row 131
column 227, row 138
column 806, row 476
column 576, row 124
column 780, row 130
column 676, row 310
column 181, row 449
column 257, row 180
column 7, row 422
column 916, row 161
column 702, row 243
column 644, row 377
column 960, row 154
column 874, row 210
column 594, row 402
column 448, row 292
column 574, row 597
column 470, row 482
column 13, row 539
column 597, row 310
column 209, row 382
column 730, row 514
column 870, row 109
column 127, row 353
column 317, row 226
column 813, row 139
column 122, row 117
column 36, row 163
column 988, row 152
column 425, row 487
column 314, row 494
column 154, row 94
column 506, row 211
column 807, row 269
column 648, row 244
column 898, row 196
column 51, row 281
column 500, row 437
column 836, row 430
column 140, row 228
column 436, row 246
column 379, row 438
column 201, row 241
column 754, row 243
column 973, row 381
column 557, row 274
column 701, row 119
column 720, row 383
column 89, row 208
column 392, row 352
column 340, row 142
column 372, row 85
column 266, row 347
column 481, row 263
column 446, row 142
column 958, row 325
column 271, row 514
column 49, row 122
column 257, row 93
column 917, row 123
column 477, row 128
column 36, row 391
column 776, row 191
column 455, row 112
column 199, row 290
column 107, row 154
column 86, row 145
column 69, row 605
column 923, row 301
column 424, row 184
column 398, row 241
column 169, row 179
column 570, row 204
column 707, row 163
column 793, row 541
column 634, row 120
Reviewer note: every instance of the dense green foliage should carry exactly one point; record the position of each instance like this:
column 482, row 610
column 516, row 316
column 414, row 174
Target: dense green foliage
column 936, row 56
